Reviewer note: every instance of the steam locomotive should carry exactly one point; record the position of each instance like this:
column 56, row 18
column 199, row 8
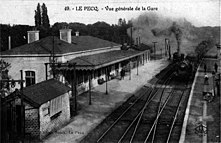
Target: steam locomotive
column 183, row 66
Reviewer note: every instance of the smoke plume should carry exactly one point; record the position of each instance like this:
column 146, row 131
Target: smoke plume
column 155, row 28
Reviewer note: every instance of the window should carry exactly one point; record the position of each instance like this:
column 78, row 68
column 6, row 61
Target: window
column 29, row 78
column 55, row 106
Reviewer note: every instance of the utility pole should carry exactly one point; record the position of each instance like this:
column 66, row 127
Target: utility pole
column 53, row 62
column 131, row 38
column 106, row 80
column 154, row 43
column 166, row 46
column 22, row 108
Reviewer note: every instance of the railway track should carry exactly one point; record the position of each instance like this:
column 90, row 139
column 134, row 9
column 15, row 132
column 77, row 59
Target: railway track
column 168, row 123
column 139, row 119
column 124, row 122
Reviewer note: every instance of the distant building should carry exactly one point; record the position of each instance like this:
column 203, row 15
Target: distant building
column 46, row 106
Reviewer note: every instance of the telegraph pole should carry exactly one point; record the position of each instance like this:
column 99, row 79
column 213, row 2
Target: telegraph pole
column 22, row 108
column 166, row 46
column 53, row 54
column 131, row 32
column 154, row 43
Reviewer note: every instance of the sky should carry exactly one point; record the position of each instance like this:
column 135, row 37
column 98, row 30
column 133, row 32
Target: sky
column 198, row 12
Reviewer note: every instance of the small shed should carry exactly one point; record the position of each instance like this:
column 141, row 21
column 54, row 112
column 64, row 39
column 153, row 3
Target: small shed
column 46, row 107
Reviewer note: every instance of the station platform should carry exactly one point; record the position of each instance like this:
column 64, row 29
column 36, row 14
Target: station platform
column 89, row 116
column 202, row 116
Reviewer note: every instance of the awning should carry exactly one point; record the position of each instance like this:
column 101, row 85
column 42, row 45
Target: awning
column 96, row 61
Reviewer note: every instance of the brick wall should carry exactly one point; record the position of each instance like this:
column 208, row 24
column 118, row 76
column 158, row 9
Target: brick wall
column 31, row 120
column 32, row 128
column 47, row 124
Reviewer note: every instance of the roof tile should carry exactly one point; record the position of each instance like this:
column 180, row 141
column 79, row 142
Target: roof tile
column 45, row 46
column 45, row 91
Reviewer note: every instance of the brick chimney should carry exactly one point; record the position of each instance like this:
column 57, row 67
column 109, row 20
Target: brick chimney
column 33, row 36
column 76, row 33
column 65, row 35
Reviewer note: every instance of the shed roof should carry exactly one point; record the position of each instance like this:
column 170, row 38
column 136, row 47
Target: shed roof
column 42, row 92
column 45, row 91
column 45, row 46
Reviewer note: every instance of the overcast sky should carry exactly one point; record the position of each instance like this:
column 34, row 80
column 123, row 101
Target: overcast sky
column 199, row 12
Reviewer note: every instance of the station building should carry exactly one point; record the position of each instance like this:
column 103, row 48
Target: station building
column 40, row 64
column 96, row 60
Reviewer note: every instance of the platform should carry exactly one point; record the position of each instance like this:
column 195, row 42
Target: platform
column 89, row 116
column 202, row 116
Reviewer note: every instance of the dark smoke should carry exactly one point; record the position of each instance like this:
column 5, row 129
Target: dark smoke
column 178, row 34
column 152, row 27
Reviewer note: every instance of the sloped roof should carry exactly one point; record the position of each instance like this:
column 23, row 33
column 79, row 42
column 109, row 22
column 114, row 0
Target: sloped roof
column 103, row 59
column 40, row 93
column 45, row 46
column 45, row 91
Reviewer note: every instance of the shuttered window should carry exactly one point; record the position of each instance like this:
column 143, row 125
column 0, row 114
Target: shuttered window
column 29, row 78
column 55, row 105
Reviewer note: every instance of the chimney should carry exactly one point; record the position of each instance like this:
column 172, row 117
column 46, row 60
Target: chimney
column 9, row 42
column 33, row 36
column 139, row 41
column 65, row 35
column 76, row 33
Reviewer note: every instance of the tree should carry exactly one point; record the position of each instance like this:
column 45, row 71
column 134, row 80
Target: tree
column 4, row 86
column 45, row 19
column 42, row 20
column 203, row 47
column 38, row 16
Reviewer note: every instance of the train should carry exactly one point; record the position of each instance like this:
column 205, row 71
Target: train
column 184, row 65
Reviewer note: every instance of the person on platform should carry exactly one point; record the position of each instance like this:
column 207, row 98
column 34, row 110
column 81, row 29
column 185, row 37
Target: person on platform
column 206, row 79
column 122, row 73
column 216, row 67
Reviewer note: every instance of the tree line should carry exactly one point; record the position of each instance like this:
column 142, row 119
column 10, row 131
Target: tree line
column 103, row 30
